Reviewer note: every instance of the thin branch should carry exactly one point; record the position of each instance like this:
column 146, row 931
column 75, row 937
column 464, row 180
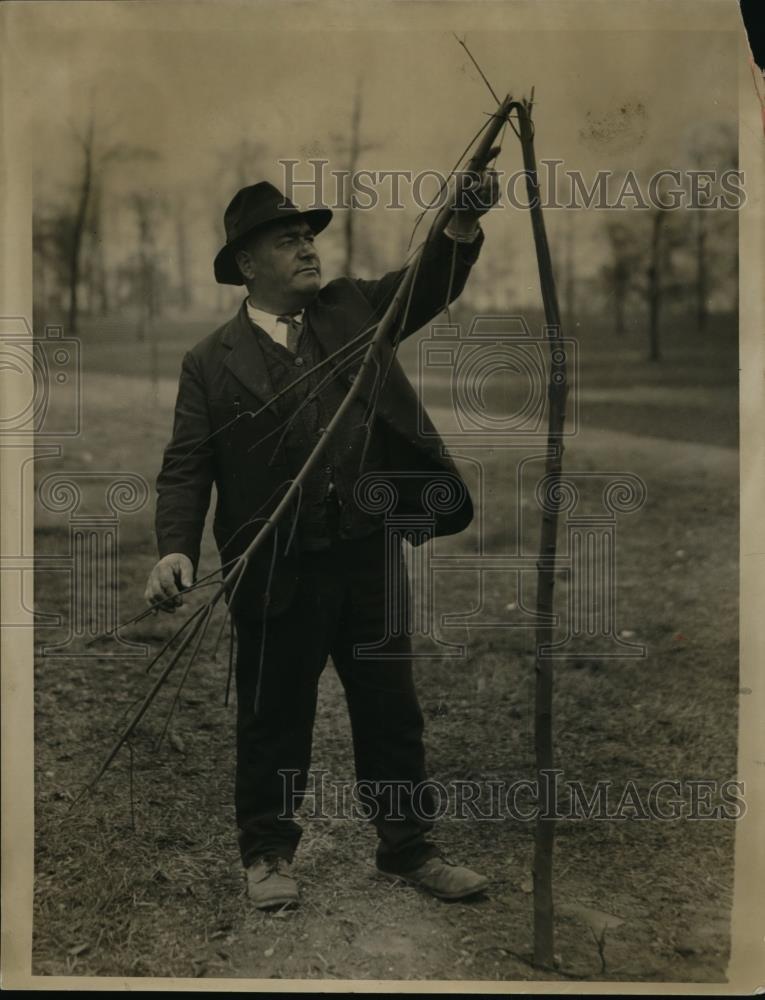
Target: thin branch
column 355, row 343
column 170, row 641
column 130, row 728
column 131, row 794
column 264, row 626
column 459, row 159
column 312, row 396
column 200, row 637
column 370, row 414
column 219, row 636
column 452, row 268
column 483, row 75
column 380, row 382
column 230, row 657
column 255, row 518
column 158, row 605
column 293, row 530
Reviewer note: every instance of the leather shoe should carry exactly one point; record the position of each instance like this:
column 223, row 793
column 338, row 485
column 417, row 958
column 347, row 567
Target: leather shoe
column 270, row 883
column 443, row 879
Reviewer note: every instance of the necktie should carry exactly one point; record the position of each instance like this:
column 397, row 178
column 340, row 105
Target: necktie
column 294, row 329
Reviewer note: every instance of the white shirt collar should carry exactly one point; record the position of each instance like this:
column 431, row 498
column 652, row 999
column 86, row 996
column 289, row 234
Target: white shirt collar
column 269, row 322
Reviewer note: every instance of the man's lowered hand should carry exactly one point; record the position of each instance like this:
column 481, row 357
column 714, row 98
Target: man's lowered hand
column 172, row 574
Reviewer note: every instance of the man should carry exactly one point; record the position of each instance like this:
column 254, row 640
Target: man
column 253, row 400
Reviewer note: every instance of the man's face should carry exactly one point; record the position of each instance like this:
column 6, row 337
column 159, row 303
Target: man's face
column 282, row 266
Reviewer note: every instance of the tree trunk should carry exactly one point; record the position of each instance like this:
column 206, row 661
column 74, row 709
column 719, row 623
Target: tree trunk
column 77, row 232
column 702, row 282
column 102, row 271
column 185, row 298
column 619, row 309
column 654, row 288
column 353, row 160
column 98, row 291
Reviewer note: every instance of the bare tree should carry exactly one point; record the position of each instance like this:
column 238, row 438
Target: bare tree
column 352, row 149
column 645, row 248
column 713, row 149
column 51, row 238
column 95, row 161
column 78, row 223
column 148, row 210
column 235, row 167
column 620, row 274
column 148, row 276
column 667, row 242
column 179, row 210
column 96, row 272
column 238, row 165
column 654, row 282
column 702, row 273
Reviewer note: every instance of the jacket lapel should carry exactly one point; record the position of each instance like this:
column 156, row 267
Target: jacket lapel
column 326, row 322
column 245, row 359
column 329, row 334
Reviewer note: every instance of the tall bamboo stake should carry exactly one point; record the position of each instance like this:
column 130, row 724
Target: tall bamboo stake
column 556, row 394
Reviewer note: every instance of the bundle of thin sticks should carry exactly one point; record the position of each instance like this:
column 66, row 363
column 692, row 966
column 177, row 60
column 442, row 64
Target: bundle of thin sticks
column 371, row 374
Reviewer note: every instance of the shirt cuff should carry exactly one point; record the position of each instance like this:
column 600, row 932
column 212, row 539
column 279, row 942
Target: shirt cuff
column 462, row 237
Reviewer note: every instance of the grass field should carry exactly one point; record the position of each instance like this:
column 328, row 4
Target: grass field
column 144, row 879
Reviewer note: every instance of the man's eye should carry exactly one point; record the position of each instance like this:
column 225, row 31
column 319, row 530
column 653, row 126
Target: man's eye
column 291, row 241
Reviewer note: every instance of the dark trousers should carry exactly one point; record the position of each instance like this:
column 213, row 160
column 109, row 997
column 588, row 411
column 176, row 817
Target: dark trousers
column 340, row 602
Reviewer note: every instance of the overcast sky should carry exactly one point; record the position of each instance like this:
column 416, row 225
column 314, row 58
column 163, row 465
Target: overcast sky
column 189, row 80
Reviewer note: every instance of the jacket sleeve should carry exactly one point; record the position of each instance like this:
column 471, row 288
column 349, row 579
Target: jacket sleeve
column 185, row 481
column 432, row 281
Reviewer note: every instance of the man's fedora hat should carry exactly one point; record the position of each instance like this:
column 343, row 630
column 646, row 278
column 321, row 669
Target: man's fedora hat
column 248, row 210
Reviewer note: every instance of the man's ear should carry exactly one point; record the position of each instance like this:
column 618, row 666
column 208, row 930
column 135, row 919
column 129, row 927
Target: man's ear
column 244, row 263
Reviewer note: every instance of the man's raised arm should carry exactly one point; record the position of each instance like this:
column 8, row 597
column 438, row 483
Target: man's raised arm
column 445, row 263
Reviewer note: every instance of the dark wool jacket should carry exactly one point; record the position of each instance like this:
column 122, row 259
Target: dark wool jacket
column 225, row 374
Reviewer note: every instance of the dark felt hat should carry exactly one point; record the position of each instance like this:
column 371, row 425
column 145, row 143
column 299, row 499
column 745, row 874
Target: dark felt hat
column 248, row 210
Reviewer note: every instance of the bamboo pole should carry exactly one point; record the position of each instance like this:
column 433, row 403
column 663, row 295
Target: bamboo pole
column 557, row 393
